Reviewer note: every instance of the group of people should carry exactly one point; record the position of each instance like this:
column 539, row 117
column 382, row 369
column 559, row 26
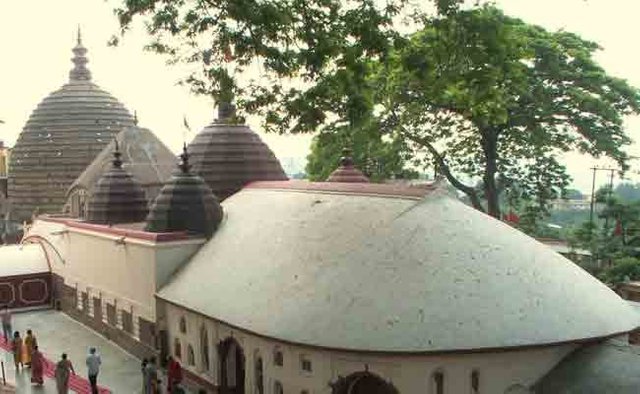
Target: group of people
column 26, row 354
column 151, row 381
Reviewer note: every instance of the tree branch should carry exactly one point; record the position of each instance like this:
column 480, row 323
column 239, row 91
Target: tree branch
column 444, row 168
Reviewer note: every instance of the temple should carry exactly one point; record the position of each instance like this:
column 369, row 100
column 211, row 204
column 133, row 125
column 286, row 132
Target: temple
column 260, row 284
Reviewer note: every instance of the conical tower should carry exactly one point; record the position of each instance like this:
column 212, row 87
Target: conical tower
column 63, row 135
column 230, row 155
column 185, row 203
column 347, row 171
column 117, row 197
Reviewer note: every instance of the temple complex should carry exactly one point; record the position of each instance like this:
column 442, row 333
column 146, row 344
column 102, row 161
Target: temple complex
column 260, row 284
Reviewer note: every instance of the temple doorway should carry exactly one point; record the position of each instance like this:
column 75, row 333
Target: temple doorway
column 232, row 367
column 363, row 383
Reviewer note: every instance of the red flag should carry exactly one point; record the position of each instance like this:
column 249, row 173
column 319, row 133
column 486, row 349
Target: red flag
column 511, row 217
column 228, row 56
column 618, row 230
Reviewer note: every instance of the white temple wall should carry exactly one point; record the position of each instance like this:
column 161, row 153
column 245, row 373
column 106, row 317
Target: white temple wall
column 409, row 374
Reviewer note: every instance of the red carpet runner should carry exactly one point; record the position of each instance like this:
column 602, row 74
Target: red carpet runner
column 77, row 383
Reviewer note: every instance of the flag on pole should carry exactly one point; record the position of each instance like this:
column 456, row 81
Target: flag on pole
column 228, row 56
column 186, row 124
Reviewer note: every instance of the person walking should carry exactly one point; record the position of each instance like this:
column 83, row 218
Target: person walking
column 37, row 366
column 143, row 369
column 6, row 324
column 16, row 348
column 64, row 368
column 174, row 374
column 30, row 343
column 151, row 373
column 93, row 367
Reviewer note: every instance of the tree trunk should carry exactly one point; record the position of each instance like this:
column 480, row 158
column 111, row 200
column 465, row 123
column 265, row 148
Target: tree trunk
column 490, row 148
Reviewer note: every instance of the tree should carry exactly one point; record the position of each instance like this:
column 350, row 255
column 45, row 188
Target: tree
column 312, row 54
column 628, row 191
column 491, row 97
column 377, row 158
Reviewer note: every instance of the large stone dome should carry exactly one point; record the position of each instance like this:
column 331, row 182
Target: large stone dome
column 229, row 155
column 63, row 135
column 378, row 267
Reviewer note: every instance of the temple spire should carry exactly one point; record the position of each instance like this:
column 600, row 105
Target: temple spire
column 117, row 161
column 184, row 164
column 79, row 71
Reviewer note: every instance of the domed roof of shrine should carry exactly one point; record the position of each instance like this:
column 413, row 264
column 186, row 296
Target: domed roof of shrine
column 117, row 197
column 185, row 203
column 148, row 160
column 388, row 268
column 63, row 135
column 229, row 155
column 347, row 171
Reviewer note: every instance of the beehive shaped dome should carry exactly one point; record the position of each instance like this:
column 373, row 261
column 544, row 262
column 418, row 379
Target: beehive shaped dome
column 148, row 160
column 228, row 155
column 117, row 197
column 346, row 171
column 185, row 203
column 63, row 135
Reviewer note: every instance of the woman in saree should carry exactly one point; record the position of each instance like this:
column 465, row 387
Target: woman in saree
column 30, row 343
column 64, row 369
column 37, row 366
column 16, row 348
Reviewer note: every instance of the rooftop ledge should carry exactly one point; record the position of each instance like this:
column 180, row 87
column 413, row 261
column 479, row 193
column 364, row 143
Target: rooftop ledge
column 417, row 191
column 128, row 230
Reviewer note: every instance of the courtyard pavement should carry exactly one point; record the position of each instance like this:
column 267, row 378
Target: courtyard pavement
column 57, row 333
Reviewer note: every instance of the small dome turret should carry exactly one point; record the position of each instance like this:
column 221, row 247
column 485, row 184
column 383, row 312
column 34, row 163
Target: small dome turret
column 117, row 196
column 185, row 203
column 347, row 172
column 230, row 155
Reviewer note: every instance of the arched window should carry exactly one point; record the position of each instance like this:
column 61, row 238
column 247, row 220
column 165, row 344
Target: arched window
column 277, row 387
column 204, row 348
column 475, row 381
column 177, row 349
column 191, row 357
column 438, row 382
column 183, row 325
column 278, row 357
column 259, row 372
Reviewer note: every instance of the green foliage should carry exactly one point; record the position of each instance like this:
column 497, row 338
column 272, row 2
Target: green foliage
column 625, row 268
column 628, row 192
column 377, row 158
column 313, row 55
column 482, row 95
column 499, row 100
column 573, row 194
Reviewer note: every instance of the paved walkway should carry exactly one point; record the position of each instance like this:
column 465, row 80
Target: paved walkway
column 57, row 334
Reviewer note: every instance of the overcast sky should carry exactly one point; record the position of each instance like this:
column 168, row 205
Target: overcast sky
column 36, row 37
